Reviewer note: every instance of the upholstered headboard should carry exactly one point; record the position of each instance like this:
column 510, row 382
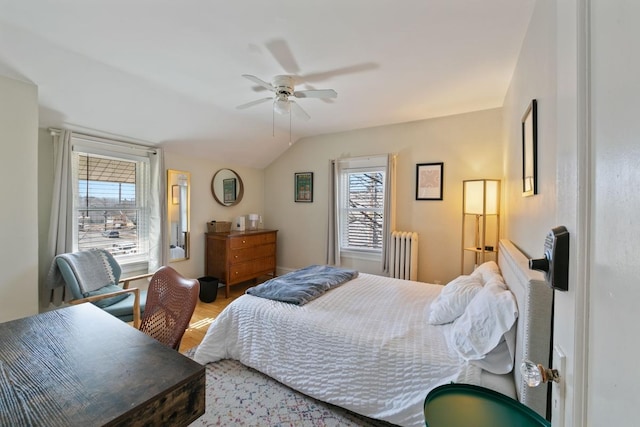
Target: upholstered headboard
column 533, row 334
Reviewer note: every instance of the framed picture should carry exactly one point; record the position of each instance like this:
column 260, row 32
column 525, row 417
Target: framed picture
column 175, row 194
column 429, row 181
column 229, row 190
column 530, row 150
column 304, row 186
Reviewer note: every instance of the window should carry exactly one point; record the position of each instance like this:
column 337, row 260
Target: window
column 110, row 203
column 361, row 201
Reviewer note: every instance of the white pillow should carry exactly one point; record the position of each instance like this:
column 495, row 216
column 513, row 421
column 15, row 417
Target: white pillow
column 453, row 299
column 500, row 359
column 482, row 326
column 487, row 272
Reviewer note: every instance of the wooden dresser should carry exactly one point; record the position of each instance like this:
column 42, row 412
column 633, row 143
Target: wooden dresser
column 239, row 256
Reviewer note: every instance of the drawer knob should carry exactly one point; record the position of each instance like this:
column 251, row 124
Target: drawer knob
column 244, row 241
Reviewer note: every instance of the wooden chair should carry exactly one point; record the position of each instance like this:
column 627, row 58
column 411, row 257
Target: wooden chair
column 171, row 300
column 94, row 276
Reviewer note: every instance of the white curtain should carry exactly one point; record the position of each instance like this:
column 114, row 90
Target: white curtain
column 60, row 220
column 157, row 239
column 333, row 236
column 389, row 210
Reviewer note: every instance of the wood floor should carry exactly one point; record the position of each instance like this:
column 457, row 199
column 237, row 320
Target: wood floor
column 205, row 313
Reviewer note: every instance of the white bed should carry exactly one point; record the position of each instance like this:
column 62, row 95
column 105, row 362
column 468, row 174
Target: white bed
column 367, row 345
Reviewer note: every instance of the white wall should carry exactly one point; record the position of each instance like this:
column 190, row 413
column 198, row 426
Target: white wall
column 613, row 385
column 470, row 145
column 45, row 192
column 204, row 208
column 19, row 193
column 529, row 219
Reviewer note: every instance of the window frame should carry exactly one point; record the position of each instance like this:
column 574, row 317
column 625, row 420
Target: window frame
column 131, row 263
column 360, row 166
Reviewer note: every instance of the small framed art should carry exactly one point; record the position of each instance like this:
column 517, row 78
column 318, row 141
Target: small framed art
column 303, row 184
column 530, row 150
column 429, row 181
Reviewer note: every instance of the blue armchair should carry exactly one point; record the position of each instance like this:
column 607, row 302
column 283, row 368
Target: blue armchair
column 94, row 276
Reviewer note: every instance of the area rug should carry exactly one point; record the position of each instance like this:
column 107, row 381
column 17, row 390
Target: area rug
column 241, row 396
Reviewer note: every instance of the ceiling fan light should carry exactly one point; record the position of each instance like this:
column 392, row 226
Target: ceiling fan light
column 281, row 106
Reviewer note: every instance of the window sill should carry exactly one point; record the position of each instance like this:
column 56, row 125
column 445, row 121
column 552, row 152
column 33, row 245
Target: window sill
column 362, row 255
column 133, row 267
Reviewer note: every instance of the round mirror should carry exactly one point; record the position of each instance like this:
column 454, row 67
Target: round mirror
column 227, row 187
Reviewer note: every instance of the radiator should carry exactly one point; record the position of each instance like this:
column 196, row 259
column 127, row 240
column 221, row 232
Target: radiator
column 403, row 255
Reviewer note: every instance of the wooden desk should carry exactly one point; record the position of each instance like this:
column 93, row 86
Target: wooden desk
column 80, row 366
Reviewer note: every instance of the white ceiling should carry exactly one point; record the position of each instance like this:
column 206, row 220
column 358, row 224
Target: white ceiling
column 169, row 72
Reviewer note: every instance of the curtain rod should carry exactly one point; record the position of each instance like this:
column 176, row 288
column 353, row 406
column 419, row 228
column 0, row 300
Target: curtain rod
column 104, row 140
column 365, row 157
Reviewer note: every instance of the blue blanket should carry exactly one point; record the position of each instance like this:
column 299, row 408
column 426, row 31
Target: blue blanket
column 301, row 286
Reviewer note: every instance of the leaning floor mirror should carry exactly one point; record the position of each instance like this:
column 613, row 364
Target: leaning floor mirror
column 178, row 199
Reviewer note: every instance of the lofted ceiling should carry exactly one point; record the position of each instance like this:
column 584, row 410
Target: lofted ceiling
column 168, row 72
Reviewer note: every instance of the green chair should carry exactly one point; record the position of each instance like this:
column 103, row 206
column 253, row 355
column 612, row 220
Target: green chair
column 94, row 276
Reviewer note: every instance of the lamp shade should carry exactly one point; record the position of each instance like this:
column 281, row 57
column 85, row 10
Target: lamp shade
column 281, row 106
column 481, row 197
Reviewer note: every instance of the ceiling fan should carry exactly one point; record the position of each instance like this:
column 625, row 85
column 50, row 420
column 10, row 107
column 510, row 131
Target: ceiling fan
column 284, row 87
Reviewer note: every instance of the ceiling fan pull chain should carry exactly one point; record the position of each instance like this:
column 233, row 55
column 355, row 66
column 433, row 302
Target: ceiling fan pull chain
column 289, row 128
column 273, row 123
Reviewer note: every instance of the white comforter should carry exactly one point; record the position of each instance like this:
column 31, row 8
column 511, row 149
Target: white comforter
column 365, row 346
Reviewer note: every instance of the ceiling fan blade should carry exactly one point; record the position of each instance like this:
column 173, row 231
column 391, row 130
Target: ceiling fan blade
column 298, row 111
column 252, row 103
column 281, row 52
column 259, row 81
column 316, row 93
column 325, row 100
column 350, row 69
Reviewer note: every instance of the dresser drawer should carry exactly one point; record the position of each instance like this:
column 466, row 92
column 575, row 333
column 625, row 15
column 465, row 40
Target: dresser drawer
column 249, row 253
column 250, row 269
column 237, row 242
